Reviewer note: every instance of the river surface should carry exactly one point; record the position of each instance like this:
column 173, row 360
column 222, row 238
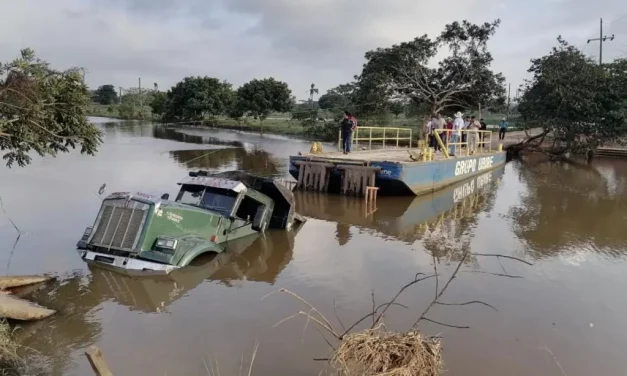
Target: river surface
column 565, row 315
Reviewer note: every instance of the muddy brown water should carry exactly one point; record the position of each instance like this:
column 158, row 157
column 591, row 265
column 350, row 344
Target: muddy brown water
column 568, row 221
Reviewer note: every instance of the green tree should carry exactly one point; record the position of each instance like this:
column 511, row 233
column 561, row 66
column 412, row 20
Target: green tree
column 339, row 98
column 461, row 80
column 259, row 98
column 105, row 94
column 578, row 104
column 397, row 108
column 158, row 103
column 43, row 110
column 195, row 98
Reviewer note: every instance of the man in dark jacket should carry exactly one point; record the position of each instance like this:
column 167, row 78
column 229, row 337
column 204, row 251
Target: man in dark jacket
column 347, row 126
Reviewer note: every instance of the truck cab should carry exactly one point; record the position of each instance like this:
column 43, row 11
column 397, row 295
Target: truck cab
column 137, row 231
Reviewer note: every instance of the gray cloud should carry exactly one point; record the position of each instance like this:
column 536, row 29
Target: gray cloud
column 321, row 41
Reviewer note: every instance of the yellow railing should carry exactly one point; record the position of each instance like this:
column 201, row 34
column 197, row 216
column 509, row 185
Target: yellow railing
column 474, row 141
column 378, row 134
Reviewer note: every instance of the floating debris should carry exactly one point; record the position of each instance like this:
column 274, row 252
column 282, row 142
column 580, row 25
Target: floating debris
column 381, row 352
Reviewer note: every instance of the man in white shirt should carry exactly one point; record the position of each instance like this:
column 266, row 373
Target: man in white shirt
column 458, row 124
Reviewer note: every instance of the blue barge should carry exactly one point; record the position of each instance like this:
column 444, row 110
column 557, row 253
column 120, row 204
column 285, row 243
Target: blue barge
column 394, row 172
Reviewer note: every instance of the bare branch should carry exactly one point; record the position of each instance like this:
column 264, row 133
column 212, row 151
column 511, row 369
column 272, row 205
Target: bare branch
column 299, row 313
column 443, row 324
column 459, row 265
column 328, row 324
column 399, row 293
column 494, row 274
column 468, row 303
column 9, row 218
column 337, row 315
column 503, row 256
column 371, row 314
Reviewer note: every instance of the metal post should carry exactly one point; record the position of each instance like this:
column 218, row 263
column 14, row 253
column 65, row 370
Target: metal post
column 370, row 139
column 384, row 137
column 601, row 39
column 601, row 42
column 397, row 135
column 140, row 92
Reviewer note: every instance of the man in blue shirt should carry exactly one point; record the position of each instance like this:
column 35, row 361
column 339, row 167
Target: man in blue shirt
column 502, row 128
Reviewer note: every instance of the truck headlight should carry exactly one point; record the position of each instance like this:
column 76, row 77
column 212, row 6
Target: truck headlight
column 167, row 244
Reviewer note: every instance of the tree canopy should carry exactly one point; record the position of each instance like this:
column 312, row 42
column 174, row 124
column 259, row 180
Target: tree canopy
column 197, row 97
column 460, row 81
column 43, row 110
column 580, row 104
column 339, row 98
column 105, row 94
column 259, row 98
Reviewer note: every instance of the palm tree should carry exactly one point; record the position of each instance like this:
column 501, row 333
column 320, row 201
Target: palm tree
column 312, row 90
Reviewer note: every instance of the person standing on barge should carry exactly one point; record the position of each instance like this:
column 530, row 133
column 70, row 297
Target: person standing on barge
column 347, row 127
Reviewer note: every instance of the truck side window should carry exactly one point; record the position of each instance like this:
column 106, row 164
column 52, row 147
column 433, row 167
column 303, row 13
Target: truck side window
column 248, row 208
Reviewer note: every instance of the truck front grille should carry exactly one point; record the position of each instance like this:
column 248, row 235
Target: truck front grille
column 119, row 224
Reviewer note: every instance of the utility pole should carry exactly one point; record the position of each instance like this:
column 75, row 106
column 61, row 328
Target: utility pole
column 509, row 92
column 120, row 99
column 140, row 92
column 601, row 39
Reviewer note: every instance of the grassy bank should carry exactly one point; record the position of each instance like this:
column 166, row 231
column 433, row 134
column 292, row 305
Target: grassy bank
column 277, row 123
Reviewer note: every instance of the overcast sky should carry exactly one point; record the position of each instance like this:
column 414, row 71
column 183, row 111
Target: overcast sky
column 297, row 41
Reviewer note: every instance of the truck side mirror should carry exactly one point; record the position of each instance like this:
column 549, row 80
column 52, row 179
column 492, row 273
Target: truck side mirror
column 165, row 196
column 258, row 221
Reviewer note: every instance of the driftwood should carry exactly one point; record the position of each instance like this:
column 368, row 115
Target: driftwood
column 9, row 282
column 100, row 367
column 12, row 307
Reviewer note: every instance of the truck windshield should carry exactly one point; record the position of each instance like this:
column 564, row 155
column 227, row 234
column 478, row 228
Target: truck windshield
column 219, row 200
column 216, row 199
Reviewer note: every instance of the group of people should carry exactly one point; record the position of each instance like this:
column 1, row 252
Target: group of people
column 449, row 130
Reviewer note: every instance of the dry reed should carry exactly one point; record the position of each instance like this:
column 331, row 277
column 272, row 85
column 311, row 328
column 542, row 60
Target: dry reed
column 9, row 359
column 385, row 353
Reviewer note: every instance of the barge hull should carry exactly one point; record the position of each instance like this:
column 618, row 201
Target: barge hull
column 398, row 177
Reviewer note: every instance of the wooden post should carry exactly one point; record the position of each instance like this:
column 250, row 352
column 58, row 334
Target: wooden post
column 94, row 355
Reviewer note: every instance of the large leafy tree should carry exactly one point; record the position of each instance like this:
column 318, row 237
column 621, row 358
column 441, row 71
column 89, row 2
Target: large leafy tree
column 197, row 97
column 339, row 98
column 43, row 110
column 105, row 94
column 461, row 80
column 259, row 98
column 158, row 103
column 578, row 104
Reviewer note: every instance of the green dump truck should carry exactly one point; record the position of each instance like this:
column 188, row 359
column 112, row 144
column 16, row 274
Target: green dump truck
column 139, row 232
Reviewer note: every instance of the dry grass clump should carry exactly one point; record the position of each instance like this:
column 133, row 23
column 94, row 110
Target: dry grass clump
column 384, row 353
column 9, row 360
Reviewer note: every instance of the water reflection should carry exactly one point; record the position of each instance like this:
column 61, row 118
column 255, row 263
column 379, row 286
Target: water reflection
column 51, row 342
column 256, row 161
column 174, row 134
column 568, row 208
column 438, row 219
column 256, row 259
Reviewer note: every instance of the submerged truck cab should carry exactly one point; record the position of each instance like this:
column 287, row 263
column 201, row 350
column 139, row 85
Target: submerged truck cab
column 141, row 232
